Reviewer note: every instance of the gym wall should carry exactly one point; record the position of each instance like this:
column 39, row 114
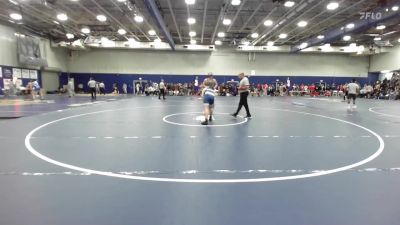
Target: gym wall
column 220, row 62
column 386, row 61
column 56, row 57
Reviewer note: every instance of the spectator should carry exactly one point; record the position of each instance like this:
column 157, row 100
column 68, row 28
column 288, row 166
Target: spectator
column 102, row 88
column 70, row 88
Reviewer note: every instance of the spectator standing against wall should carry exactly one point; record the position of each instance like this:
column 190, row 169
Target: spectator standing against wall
column 36, row 89
column 137, row 88
column 125, row 88
column 196, row 86
column 70, row 88
column 102, row 87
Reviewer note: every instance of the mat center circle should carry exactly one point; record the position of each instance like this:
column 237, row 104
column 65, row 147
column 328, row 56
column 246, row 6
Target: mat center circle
column 193, row 119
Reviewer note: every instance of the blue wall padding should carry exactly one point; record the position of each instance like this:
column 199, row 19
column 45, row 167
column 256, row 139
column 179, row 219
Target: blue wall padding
column 110, row 79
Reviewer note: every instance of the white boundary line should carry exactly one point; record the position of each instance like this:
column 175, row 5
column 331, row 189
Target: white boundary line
column 199, row 125
column 209, row 181
column 382, row 114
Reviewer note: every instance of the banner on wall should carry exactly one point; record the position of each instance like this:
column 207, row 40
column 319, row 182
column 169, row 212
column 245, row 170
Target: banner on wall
column 7, row 83
column 7, row 73
column 1, row 72
column 18, row 83
column 33, row 74
column 17, row 73
column 25, row 74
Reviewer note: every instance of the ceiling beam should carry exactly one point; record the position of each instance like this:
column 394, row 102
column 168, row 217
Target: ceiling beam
column 312, row 27
column 299, row 16
column 280, row 21
column 237, row 14
column 188, row 16
column 155, row 13
column 252, row 15
column 174, row 19
column 46, row 17
column 133, row 22
column 112, row 17
column 360, row 24
column 268, row 16
column 221, row 14
column 204, row 20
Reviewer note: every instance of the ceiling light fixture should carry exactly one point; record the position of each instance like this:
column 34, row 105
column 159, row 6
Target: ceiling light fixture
column 152, row 32
column 101, row 18
column 192, row 34
column 395, row 8
column 226, row 22
column 121, row 31
column 378, row 39
column 85, row 30
column 268, row 23
column 190, row 2
column 347, row 38
column 62, row 17
column 304, row 45
column 302, row 23
column 283, row 36
column 218, row 42
column 321, row 37
column 332, row 6
column 255, row 35
column 221, row 34
column 16, row 16
column 270, row 43
column 289, row 4
column 380, row 27
column 350, row 26
column 70, row 36
column 191, row 20
column 193, row 42
column 235, row 2
column 139, row 19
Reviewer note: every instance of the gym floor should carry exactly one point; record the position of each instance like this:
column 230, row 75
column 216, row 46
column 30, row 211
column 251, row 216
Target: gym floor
column 140, row 160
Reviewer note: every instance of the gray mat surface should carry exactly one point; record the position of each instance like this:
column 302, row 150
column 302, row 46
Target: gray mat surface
column 286, row 137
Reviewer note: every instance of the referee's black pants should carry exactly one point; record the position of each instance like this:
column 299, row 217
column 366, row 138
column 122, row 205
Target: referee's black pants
column 162, row 92
column 243, row 102
column 93, row 92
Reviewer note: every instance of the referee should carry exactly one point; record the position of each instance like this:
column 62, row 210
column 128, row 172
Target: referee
column 161, row 86
column 244, row 93
column 92, row 87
